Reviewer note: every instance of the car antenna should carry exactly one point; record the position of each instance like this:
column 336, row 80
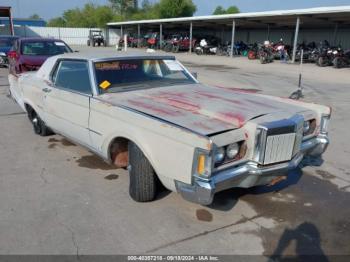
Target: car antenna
column 296, row 95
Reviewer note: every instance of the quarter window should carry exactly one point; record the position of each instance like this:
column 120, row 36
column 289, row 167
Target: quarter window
column 73, row 75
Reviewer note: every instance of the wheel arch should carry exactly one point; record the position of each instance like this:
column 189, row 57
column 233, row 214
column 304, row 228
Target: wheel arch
column 121, row 142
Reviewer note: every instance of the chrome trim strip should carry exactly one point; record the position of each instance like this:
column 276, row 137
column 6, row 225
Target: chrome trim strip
column 93, row 131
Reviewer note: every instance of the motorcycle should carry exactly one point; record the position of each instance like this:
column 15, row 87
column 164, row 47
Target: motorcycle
column 253, row 51
column 327, row 56
column 342, row 59
column 266, row 53
column 281, row 50
column 205, row 49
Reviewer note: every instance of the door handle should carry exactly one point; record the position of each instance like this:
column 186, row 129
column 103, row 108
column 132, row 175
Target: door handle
column 46, row 90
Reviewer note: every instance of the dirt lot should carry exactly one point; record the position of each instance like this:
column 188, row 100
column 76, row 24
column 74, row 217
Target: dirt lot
column 58, row 198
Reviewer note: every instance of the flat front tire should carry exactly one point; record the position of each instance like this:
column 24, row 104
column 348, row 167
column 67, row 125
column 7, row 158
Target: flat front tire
column 143, row 180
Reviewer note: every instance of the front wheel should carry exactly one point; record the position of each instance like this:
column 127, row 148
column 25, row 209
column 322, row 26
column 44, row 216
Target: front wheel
column 176, row 49
column 199, row 52
column 143, row 179
column 322, row 62
column 263, row 59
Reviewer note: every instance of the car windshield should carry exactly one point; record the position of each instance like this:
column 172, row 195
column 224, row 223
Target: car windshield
column 132, row 74
column 47, row 48
column 6, row 42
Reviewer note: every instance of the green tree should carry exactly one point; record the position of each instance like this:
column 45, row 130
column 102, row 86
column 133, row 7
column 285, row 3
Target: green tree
column 232, row 10
column 123, row 7
column 89, row 16
column 176, row 8
column 219, row 10
column 57, row 22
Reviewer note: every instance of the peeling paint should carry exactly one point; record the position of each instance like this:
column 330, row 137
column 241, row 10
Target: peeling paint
column 205, row 110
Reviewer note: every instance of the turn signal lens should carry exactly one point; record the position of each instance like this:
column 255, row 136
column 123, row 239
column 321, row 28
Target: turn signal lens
column 201, row 164
column 324, row 124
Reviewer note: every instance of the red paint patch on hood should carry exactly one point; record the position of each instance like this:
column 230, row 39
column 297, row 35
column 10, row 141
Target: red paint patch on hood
column 237, row 118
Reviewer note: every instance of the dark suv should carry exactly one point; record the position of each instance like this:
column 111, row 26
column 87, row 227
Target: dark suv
column 28, row 54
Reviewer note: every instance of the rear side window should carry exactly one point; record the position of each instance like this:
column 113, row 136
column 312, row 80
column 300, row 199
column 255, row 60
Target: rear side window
column 43, row 48
column 72, row 75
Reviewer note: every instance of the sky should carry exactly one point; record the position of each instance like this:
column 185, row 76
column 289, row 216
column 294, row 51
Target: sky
column 52, row 8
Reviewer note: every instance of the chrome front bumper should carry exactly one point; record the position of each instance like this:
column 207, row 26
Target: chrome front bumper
column 248, row 174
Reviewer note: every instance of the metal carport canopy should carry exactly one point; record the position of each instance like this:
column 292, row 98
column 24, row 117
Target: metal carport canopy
column 320, row 17
column 316, row 16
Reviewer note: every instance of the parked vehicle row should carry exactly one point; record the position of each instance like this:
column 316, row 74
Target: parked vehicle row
column 322, row 54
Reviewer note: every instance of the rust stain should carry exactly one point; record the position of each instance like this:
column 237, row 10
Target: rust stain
column 246, row 135
column 204, row 215
column 181, row 104
column 177, row 100
column 63, row 141
column 52, row 146
column 202, row 125
column 111, row 177
column 93, row 162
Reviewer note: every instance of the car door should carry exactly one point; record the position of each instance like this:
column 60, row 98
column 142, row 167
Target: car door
column 67, row 101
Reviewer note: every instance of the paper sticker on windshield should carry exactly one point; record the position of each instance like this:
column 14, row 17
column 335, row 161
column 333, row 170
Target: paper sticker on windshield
column 59, row 44
column 107, row 66
column 105, row 84
column 173, row 65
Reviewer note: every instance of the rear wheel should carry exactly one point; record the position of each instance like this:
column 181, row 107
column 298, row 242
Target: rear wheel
column 143, row 180
column 338, row 63
column 39, row 125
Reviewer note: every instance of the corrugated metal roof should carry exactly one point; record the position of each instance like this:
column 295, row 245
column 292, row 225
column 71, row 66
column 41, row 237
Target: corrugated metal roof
column 294, row 12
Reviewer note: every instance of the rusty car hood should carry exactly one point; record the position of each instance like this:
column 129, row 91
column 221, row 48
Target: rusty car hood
column 200, row 108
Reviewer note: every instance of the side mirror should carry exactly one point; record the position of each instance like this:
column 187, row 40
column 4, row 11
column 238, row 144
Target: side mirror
column 195, row 75
column 76, row 51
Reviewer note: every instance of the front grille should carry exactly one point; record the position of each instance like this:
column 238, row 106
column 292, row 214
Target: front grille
column 279, row 148
column 278, row 141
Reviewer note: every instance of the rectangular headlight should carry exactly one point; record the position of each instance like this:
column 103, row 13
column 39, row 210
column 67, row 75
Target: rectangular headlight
column 324, row 124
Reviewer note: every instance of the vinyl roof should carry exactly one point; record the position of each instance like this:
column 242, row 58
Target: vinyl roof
column 110, row 55
column 320, row 16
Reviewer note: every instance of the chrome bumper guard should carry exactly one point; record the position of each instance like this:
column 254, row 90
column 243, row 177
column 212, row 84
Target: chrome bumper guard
column 248, row 174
